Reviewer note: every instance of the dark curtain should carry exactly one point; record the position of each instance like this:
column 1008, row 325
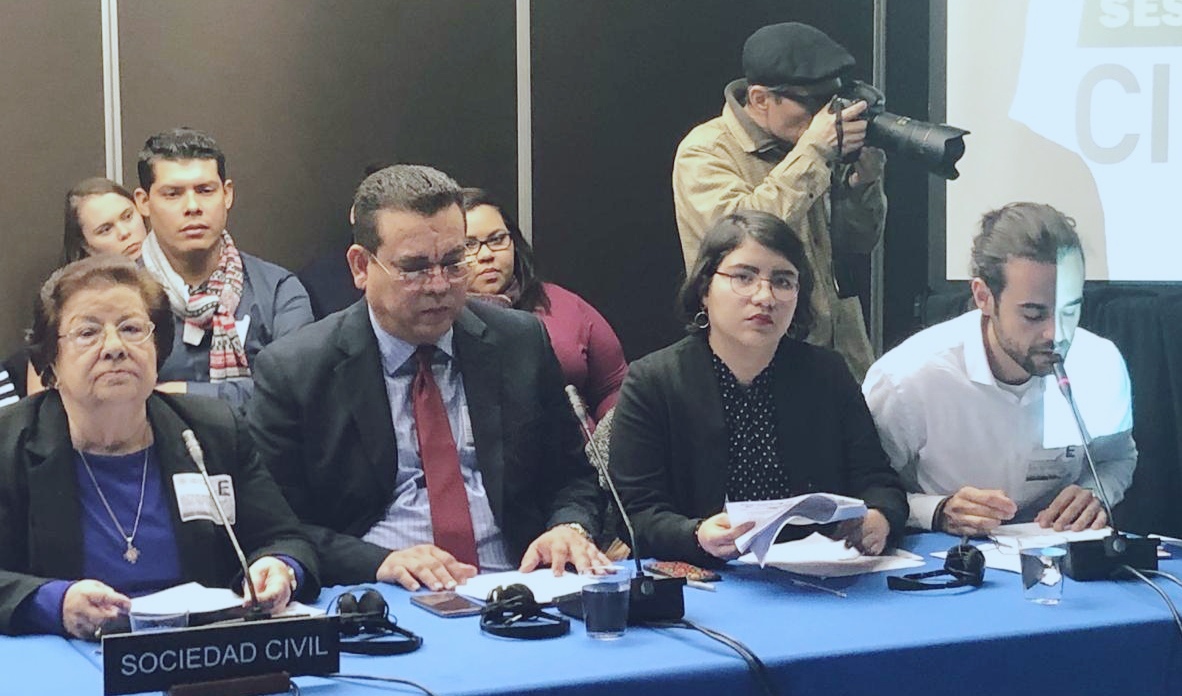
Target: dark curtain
column 1146, row 325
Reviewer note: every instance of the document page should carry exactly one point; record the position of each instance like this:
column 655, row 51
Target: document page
column 771, row 516
column 541, row 582
column 198, row 599
column 1008, row 540
column 1030, row 535
column 820, row 556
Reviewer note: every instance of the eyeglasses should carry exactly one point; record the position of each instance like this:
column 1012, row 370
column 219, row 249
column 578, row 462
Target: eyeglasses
column 454, row 272
column 811, row 103
column 746, row 283
column 497, row 241
column 132, row 332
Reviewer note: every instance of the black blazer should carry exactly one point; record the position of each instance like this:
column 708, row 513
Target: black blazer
column 40, row 531
column 669, row 444
column 321, row 422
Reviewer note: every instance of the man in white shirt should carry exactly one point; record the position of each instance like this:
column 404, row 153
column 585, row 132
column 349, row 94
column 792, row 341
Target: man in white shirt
column 969, row 411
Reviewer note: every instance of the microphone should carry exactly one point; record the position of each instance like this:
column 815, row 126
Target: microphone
column 1098, row 559
column 194, row 448
column 599, row 461
column 1065, row 388
column 653, row 598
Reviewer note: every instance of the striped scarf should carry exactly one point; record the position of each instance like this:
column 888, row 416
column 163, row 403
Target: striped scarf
column 210, row 305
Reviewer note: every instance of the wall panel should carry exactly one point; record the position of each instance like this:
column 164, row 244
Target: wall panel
column 51, row 77
column 302, row 94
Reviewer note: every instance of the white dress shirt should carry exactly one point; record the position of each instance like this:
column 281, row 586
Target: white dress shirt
column 946, row 422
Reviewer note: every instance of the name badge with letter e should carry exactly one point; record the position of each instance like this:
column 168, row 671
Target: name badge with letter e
column 1052, row 465
column 193, row 500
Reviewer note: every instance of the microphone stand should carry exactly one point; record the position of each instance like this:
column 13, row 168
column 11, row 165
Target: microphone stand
column 255, row 613
column 1099, row 559
column 652, row 598
column 268, row 676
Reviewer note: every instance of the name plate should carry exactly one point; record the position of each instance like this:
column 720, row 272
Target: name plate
column 136, row 662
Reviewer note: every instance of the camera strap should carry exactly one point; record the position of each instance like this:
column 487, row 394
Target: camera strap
column 836, row 180
column 838, row 124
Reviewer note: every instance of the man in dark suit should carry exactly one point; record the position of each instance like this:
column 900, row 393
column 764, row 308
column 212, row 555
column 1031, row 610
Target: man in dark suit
column 417, row 438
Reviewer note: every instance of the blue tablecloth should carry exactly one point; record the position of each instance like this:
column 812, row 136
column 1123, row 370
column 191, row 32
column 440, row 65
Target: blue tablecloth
column 1105, row 638
column 47, row 666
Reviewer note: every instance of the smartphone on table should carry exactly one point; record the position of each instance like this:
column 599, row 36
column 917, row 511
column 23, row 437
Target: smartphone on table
column 446, row 604
column 681, row 569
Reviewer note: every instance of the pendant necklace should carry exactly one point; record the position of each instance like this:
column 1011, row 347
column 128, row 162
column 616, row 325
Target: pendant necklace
column 132, row 554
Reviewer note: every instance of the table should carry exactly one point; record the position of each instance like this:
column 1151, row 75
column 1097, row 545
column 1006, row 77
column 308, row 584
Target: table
column 1105, row 638
column 47, row 666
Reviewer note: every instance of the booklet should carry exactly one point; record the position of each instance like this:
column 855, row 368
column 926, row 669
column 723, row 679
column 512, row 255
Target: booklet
column 823, row 557
column 204, row 605
column 771, row 516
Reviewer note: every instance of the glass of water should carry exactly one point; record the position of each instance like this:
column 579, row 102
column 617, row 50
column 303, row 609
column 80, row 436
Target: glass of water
column 1042, row 574
column 605, row 602
column 146, row 622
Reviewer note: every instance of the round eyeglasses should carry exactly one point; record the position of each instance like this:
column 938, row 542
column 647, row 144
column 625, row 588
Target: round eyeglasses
column 746, row 283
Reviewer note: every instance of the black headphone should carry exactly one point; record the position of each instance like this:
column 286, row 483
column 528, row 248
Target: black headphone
column 367, row 620
column 512, row 612
column 965, row 563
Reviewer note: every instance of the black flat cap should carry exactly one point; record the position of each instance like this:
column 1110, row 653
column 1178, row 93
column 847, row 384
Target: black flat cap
column 795, row 55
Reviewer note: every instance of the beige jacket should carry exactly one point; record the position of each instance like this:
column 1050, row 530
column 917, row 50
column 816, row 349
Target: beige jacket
column 729, row 163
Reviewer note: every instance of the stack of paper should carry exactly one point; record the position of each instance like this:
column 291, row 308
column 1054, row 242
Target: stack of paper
column 204, row 604
column 823, row 557
column 541, row 582
column 1032, row 536
column 771, row 516
column 1008, row 540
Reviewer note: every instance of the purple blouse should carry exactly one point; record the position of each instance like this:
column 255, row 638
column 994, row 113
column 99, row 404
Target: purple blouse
column 588, row 350
column 158, row 567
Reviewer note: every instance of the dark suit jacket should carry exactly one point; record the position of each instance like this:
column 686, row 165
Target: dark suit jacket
column 321, row 422
column 40, row 531
column 669, row 445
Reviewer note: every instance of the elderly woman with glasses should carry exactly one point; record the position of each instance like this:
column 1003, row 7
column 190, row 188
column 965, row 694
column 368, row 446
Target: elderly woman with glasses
column 99, row 499
column 503, row 271
column 742, row 409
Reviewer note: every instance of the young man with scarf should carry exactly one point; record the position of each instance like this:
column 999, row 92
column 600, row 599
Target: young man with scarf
column 227, row 304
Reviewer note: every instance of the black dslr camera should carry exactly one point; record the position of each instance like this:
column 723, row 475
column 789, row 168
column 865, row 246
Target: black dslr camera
column 937, row 145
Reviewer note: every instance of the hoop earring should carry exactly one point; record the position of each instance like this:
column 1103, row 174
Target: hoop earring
column 700, row 320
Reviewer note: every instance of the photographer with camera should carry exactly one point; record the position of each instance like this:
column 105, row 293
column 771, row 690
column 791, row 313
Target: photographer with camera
column 779, row 148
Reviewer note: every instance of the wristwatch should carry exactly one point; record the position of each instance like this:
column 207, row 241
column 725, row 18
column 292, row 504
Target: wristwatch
column 291, row 578
column 582, row 531
column 939, row 519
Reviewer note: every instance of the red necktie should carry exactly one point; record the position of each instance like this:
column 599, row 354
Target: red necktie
column 451, row 520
